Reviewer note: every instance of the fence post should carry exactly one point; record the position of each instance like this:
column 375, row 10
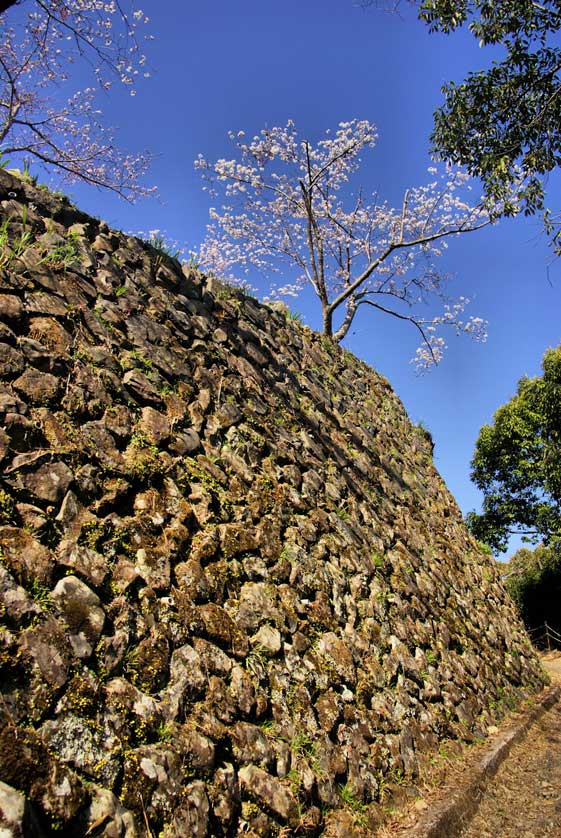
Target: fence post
column 548, row 638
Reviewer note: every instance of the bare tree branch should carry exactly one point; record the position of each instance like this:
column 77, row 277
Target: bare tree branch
column 409, row 318
column 287, row 198
column 397, row 246
column 36, row 54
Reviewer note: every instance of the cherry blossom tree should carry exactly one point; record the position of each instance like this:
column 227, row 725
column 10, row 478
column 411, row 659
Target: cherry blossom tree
column 289, row 202
column 41, row 117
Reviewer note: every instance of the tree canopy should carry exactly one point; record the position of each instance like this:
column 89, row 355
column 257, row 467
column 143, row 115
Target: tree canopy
column 517, row 463
column 534, row 582
column 41, row 117
column 504, row 123
column 289, row 202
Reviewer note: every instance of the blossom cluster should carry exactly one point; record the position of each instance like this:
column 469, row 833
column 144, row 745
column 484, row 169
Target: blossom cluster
column 288, row 202
column 37, row 52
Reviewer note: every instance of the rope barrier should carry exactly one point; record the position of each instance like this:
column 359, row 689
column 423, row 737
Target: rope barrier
column 553, row 632
column 549, row 634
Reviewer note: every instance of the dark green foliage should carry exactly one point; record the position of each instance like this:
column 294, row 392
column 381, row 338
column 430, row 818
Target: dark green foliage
column 534, row 582
column 517, row 462
column 504, row 123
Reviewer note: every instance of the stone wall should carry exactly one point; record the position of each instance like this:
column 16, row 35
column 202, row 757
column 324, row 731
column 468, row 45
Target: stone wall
column 237, row 596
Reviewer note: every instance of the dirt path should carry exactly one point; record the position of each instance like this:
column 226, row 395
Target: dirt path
column 552, row 662
column 524, row 798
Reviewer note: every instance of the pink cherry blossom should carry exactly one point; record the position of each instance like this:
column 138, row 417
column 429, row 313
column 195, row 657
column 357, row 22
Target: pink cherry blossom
column 37, row 51
column 288, row 203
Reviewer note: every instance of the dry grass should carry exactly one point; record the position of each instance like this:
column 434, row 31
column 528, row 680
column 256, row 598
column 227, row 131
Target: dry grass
column 524, row 799
column 552, row 664
column 440, row 775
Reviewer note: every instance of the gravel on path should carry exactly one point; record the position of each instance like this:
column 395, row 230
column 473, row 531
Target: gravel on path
column 524, row 798
column 515, row 789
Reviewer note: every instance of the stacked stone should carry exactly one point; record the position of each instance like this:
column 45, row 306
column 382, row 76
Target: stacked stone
column 236, row 596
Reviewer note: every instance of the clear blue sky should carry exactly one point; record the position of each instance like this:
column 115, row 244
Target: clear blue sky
column 223, row 66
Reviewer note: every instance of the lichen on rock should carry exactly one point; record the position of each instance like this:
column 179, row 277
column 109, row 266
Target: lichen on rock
column 236, row 596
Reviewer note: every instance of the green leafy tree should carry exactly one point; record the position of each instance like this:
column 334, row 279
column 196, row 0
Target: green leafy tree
column 503, row 123
column 534, row 582
column 517, row 463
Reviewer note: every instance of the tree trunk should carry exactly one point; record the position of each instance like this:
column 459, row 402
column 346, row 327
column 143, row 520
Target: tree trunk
column 327, row 321
column 5, row 4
